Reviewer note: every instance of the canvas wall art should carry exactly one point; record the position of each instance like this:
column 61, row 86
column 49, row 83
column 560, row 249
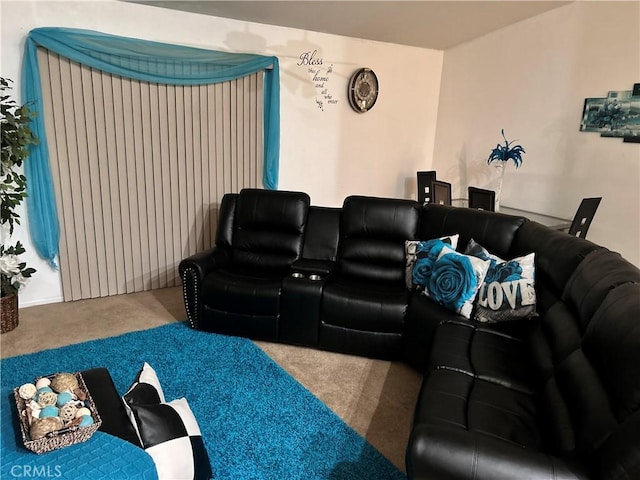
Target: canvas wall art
column 616, row 115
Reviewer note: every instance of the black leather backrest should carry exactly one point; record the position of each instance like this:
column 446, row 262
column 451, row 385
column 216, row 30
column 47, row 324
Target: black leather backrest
column 268, row 228
column 226, row 214
column 493, row 231
column 612, row 344
column 586, row 342
column 593, row 382
column 557, row 254
column 373, row 232
column 322, row 233
column 599, row 273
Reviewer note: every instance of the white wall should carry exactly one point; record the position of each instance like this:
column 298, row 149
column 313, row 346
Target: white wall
column 329, row 154
column 531, row 79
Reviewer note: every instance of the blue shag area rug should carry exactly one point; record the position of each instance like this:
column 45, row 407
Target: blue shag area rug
column 257, row 422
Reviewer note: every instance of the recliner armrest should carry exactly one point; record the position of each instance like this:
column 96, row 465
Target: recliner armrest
column 193, row 270
column 309, row 266
column 204, row 262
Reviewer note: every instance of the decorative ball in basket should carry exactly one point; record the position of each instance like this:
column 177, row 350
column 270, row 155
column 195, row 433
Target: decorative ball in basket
column 55, row 411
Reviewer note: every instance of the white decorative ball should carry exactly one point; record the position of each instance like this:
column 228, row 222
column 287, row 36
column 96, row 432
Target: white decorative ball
column 82, row 411
column 27, row 391
column 43, row 382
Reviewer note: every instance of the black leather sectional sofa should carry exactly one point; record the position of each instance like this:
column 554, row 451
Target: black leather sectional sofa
column 551, row 397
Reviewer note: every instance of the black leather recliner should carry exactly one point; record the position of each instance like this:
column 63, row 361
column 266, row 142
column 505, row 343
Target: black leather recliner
column 235, row 287
column 364, row 299
column 553, row 397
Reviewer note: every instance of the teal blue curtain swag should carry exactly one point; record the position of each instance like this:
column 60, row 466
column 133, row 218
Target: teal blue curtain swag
column 140, row 60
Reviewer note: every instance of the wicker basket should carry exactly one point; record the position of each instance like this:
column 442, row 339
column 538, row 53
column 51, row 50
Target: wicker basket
column 60, row 438
column 9, row 312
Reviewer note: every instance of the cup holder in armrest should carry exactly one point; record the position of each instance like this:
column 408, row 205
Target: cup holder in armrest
column 311, row 276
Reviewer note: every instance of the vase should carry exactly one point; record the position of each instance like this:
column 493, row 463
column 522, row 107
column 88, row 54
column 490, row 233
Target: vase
column 499, row 166
column 8, row 313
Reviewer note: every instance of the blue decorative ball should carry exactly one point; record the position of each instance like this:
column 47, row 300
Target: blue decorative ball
column 49, row 411
column 86, row 420
column 64, row 397
column 44, row 389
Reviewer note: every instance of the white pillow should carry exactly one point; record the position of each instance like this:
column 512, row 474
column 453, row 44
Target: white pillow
column 508, row 291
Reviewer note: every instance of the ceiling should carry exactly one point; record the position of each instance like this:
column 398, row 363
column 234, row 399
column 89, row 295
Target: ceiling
column 428, row 24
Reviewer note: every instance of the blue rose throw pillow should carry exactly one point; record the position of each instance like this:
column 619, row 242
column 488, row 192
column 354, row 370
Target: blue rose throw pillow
column 448, row 277
column 508, row 291
column 412, row 247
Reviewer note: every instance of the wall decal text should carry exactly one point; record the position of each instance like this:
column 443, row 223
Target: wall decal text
column 320, row 76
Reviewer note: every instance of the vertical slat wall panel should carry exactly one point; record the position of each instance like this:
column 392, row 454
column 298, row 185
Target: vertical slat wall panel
column 110, row 192
column 219, row 137
column 139, row 170
column 165, row 185
column 100, row 189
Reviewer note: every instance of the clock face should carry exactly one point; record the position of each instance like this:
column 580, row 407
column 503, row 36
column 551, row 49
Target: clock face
column 363, row 90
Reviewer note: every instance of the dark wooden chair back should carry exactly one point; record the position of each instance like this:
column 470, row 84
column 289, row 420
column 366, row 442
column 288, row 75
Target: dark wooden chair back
column 584, row 216
column 425, row 184
column 441, row 193
column 482, row 199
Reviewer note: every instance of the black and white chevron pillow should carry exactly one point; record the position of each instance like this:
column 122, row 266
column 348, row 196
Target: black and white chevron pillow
column 145, row 388
column 168, row 431
column 170, row 434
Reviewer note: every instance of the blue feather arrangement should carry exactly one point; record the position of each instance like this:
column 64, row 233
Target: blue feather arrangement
column 506, row 152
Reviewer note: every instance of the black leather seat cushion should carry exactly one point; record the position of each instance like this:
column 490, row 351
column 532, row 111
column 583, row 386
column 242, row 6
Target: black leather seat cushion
column 242, row 291
column 443, row 452
column 486, row 354
column 372, row 308
column 459, row 400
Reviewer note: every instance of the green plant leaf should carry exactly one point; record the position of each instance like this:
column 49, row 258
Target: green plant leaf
column 17, row 137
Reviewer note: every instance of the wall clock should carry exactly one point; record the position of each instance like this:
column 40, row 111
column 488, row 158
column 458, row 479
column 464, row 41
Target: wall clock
column 363, row 90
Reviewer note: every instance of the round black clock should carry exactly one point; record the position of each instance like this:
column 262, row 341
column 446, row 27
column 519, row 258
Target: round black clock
column 363, row 90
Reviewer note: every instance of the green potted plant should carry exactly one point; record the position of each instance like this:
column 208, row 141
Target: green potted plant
column 501, row 155
column 17, row 136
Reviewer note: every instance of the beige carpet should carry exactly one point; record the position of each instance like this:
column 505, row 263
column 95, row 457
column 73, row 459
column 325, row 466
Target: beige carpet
column 374, row 397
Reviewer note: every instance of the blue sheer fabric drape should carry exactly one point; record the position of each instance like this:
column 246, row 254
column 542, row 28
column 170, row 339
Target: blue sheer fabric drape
column 141, row 60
